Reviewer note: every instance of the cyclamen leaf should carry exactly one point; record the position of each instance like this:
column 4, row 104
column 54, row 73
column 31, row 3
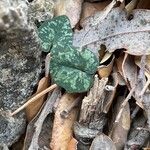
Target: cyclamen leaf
column 54, row 31
column 71, row 79
column 73, row 70
column 69, row 68
column 72, row 57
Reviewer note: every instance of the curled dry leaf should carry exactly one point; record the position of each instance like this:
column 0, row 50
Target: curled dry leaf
column 62, row 127
column 119, row 62
column 102, row 142
column 116, row 32
column 105, row 70
column 106, row 57
column 33, row 108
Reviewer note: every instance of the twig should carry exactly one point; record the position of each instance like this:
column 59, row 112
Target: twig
column 34, row 99
column 145, row 87
column 135, row 111
column 124, row 104
column 65, row 113
column 141, row 128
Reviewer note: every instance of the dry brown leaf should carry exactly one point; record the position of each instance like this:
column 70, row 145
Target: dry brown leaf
column 119, row 62
column 105, row 70
column 89, row 9
column 144, row 4
column 129, row 70
column 117, row 32
column 102, row 142
column 34, row 107
column 72, row 144
column 62, row 127
column 33, row 138
column 137, row 60
column 105, row 57
column 120, row 129
column 70, row 8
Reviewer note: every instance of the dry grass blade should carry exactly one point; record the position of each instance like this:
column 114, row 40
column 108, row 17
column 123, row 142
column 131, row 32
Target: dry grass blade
column 33, row 99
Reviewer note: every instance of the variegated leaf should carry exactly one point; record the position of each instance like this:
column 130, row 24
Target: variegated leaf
column 55, row 31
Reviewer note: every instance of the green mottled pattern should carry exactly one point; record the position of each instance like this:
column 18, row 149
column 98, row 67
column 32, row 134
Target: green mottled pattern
column 72, row 69
column 71, row 79
column 69, row 68
column 55, row 30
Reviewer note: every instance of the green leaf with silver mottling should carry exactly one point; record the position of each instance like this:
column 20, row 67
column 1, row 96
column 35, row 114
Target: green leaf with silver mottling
column 73, row 70
column 69, row 68
column 56, row 31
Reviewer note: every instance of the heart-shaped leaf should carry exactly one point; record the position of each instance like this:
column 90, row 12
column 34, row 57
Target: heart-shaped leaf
column 73, row 70
column 69, row 68
column 54, row 31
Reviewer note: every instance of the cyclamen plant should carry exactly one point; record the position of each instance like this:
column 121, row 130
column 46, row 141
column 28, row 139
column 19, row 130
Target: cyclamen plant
column 69, row 68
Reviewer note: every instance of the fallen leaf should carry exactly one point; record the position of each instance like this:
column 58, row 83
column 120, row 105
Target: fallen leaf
column 117, row 32
column 98, row 17
column 105, row 70
column 89, row 9
column 129, row 70
column 73, row 70
column 72, row 144
column 47, row 109
column 62, row 127
column 70, row 67
column 54, row 31
column 144, row 4
column 70, row 8
column 119, row 62
column 45, row 133
column 106, row 57
column 102, row 142
column 34, row 107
